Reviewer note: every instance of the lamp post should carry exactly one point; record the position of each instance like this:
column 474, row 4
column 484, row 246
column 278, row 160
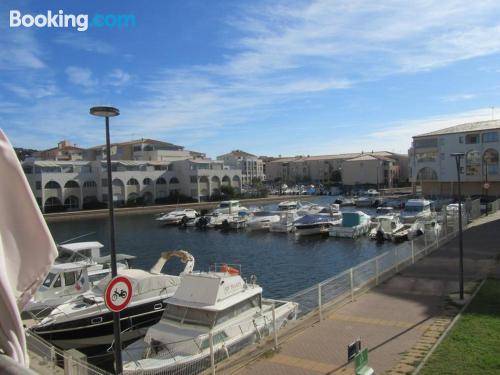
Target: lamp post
column 458, row 156
column 108, row 112
column 486, row 184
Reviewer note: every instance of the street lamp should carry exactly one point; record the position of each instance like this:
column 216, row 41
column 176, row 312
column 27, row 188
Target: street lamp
column 486, row 184
column 108, row 112
column 458, row 156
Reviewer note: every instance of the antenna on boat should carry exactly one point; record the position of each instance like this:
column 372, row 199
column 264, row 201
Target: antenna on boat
column 75, row 238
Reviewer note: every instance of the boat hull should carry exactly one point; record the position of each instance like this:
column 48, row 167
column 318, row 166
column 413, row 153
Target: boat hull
column 96, row 331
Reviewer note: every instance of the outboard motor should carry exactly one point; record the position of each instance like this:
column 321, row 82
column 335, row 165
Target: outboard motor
column 379, row 236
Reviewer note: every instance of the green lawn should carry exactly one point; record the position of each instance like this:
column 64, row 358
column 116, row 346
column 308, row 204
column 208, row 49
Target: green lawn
column 473, row 345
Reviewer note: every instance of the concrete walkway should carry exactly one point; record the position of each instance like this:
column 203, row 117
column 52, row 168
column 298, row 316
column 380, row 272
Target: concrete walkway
column 398, row 321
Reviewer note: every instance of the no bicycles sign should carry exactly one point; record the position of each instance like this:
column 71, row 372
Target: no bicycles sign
column 118, row 293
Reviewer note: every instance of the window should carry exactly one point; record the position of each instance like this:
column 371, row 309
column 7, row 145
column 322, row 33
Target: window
column 472, row 139
column 48, row 280
column 69, row 278
column 147, row 181
column 57, row 284
column 185, row 314
column 426, row 156
column 91, row 184
column 490, row 137
column 38, row 185
column 473, row 163
column 137, row 148
column 460, row 139
column 237, row 309
column 194, row 180
column 52, row 185
column 425, row 143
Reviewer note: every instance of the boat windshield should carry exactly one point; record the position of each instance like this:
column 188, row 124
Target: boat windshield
column 224, row 205
column 238, row 309
column 262, row 213
column 189, row 315
column 414, row 208
column 48, row 280
column 67, row 256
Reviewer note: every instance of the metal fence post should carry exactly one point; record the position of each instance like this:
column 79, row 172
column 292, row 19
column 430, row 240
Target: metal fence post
column 274, row 328
column 376, row 271
column 352, row 284
column 53, row 358
column 412, row 252
column 319, row 303
column 425, row 241
column 212, row 356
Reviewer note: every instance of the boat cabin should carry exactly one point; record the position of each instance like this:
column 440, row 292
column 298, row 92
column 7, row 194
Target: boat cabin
column 287, row 205
column 65, row 279
column 76, row 251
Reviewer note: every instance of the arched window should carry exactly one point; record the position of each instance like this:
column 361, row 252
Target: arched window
column 52, row 185
column 71, row 202
column 473, row 163
column 71, row 184
column 426, row 174
column 174, row 180
column 132, row 182
column 204, row 179
column 89, row 184
column 490, row 160
column 148, row 197
column 117, row 182
column 216, row 180
column 147, row 181
column 161, row 181
column 53, row 204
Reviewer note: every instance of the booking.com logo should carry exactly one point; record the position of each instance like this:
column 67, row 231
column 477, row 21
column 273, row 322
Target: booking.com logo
column 80, row 22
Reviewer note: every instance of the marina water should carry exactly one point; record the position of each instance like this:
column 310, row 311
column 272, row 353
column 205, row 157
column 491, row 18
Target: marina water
column 282, row 263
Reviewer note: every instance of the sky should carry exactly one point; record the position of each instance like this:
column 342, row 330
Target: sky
column 268, row 77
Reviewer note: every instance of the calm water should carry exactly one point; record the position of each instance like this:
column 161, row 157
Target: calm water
column 283, row 264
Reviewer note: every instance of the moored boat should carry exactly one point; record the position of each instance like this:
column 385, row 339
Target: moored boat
column 217, row 304
column 316, row 224
column 354, row 224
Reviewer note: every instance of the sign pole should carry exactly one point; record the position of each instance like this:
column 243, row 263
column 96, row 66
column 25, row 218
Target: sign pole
column 114, row 272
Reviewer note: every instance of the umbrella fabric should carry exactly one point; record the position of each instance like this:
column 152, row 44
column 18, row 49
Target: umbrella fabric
column 27, row 251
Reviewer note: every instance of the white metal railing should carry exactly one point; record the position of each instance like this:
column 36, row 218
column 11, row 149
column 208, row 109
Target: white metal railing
column 53, row 357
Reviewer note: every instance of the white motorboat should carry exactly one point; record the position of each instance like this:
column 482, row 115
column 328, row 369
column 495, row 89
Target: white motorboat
column 85, row 323
column 370, row 198
column 354, row 224
column 217, row 304
column 288, row 205
column 230, row 207
column 178, row 216
column 452, row 214
column 285, row 223
column 316, row 224
column 98, row 266
column 386, row 228
column 308, row 208
column 416, row 209
column 262, row 220
column 385, row 210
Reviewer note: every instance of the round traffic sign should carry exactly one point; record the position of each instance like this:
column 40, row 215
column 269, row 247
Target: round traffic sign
column 486, row 185
column 118, row 293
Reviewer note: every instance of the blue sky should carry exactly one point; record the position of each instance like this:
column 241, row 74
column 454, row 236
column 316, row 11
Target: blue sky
column 271, row 78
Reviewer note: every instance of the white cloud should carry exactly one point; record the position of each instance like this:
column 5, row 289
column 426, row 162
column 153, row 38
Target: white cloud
column 81, row 76
column 458, row 97
column 83, row 42
column 118, row 77
column 33, row 92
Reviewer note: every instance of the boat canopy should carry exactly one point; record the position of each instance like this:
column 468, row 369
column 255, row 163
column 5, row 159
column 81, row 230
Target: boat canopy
column 313, row 219
column 351, row 219
column 142, row 281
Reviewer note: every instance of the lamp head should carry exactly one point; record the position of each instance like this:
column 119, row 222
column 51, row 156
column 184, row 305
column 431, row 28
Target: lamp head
column 103, row 111
column 457, row 154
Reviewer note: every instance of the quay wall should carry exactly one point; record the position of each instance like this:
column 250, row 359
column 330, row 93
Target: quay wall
column 123, row 211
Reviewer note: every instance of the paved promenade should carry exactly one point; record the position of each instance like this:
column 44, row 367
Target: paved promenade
column 398, row 321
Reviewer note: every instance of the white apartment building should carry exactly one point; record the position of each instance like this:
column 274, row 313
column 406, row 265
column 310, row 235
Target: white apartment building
column 433, row 167
column 252, row 168
column 83, row 183
column 381, row 167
